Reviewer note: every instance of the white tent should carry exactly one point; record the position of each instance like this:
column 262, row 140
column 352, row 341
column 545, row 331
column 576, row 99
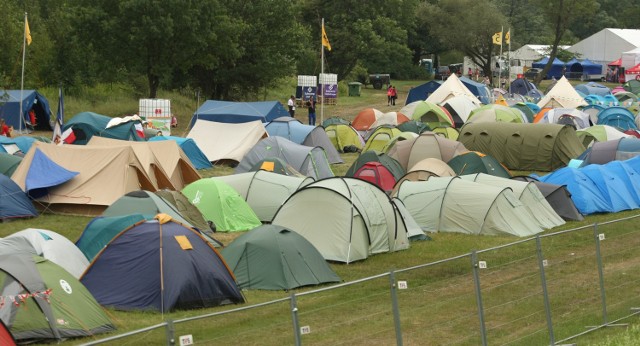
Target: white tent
column 452, row 87
column 226, row 141
column 607, row 45
column 562, row 95
column 630, row 58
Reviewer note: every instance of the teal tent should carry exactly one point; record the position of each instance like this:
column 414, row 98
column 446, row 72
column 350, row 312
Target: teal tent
column 273, row 257
column 88, row 124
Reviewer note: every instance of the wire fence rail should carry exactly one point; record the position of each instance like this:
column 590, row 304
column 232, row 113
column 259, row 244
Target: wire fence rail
column 549, row 289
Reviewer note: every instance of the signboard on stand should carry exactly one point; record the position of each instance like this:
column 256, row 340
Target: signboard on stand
column 157, row 113
column 328, row 85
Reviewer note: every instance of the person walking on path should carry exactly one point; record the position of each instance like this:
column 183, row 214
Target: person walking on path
column 292, row 106
column 311, row 103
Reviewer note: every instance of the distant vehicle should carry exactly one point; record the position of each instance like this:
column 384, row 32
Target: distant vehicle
column 532, row 73
column 377, row 80
column 442, row 73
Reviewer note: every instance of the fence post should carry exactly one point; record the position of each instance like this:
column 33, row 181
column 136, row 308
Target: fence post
column 603, row 296
column 476, row 280
column 294, row 318
column 545, row 293
column 171, row 331
column 396, row 309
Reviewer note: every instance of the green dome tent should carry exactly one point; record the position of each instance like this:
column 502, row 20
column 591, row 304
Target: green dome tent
column 476, row 162
column 57, row 306
column 220, row 203
column 272, row 257
column 344, row 137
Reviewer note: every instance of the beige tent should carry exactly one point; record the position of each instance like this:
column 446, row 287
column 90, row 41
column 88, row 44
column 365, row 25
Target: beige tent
column 451, row 204
column 104, row 175
column 562, row 95
column 451, row 88
column 529, row 195
column 164, row 161
column 225, row 141
column 437, row 166
column 428, row 144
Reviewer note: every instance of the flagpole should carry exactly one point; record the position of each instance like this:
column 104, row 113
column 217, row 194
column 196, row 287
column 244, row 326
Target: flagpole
column 24, row 50
column 322, row 73
column 509, row 58
column 499, row 61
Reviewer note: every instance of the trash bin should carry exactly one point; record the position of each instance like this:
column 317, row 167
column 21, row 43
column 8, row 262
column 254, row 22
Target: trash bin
column 354, row 88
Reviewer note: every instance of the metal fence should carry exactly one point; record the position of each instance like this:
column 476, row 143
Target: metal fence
column 549, row 289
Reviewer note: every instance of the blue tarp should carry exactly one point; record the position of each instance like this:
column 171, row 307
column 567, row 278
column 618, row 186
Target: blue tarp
column 10, row 109
column 239, row 112
column 189, row 146
column 554, row 71
column 135, row 273
column 480, row 90
column 14, row 203
column 618, row 117
column 44, row 173
column 422, row 91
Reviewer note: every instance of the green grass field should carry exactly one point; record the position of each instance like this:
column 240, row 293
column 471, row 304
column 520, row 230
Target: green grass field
column 361, row 307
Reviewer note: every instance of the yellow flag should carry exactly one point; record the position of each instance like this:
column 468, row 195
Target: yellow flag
column 325, row 40
column 497, row 38
column 507, row 37
column 27, row 32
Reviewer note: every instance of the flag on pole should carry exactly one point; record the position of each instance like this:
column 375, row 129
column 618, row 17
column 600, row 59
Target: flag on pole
column 507, row 37
column 27, row 32
column 57, row 127
column 325, row 39
column 497, row 38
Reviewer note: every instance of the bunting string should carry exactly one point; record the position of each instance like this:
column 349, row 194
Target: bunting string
column 22, row 298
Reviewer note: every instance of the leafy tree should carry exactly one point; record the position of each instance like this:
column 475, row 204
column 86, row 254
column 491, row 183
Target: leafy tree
column 468, row 26
column 561, row 15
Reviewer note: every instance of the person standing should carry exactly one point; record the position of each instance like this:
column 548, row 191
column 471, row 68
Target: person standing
column 470, row 73
column 4, row 129
column 389, row 95
column 292, row 106
column 312, row 110
column 394, row 95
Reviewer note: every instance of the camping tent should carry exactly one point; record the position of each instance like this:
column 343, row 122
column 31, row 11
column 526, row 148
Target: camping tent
column 428, row 113
column 452, row 87
column 618, row 117
column 524, row 147
column 238, row 112
column 380, row 137
column 593, row 88
column 578, row 119
column 619, row 149
column 480, row 90
column 164, row 161
column 275, row 165
column 451, row 204
column 30, row 99
column 528, row 193
column 14, row 203
column 476, row 162
column 102, row 229
column 160, row 265
column 88, row 124
column 226, row 141
column 392, row 165
column 56, row 305
column 22, row 143
column 297, row 132
column 265, row 191
column 558, row 197
column 494, row 113
column 9, row 163
column 600, row 133
column 104, row 174
column 422, row 91
column 428, row 144
column 344, row 137
column 459, row 107
column 220, row 203
column 522, row 86
column 271, row 257
column 50, row 245
column 6, row 338
column 357, row 220
column 370, row 118
column 188, row 145
column 562, row 95
column 310, row 161
column 150, row 204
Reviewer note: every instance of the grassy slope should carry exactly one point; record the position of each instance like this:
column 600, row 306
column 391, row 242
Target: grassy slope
column 115, row 102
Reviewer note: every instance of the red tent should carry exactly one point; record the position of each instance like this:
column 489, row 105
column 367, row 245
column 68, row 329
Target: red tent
column 633, row 70
column 6, row 339
column 615, row 63
column 376, row 173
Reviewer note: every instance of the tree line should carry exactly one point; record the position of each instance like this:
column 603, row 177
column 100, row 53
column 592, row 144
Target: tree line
column 228, row 49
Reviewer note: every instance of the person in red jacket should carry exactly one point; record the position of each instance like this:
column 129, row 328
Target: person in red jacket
column 4, row 129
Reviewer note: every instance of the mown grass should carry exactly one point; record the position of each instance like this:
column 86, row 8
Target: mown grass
column 360, row 314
